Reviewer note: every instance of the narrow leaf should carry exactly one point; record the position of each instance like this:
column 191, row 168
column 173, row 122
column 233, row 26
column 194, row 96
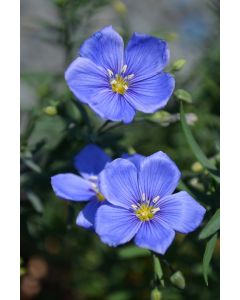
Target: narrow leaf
column 35, row 201
column 212, row 226
column 158, row 269
column 208, row 256
column 32, row 165
column 197, row 151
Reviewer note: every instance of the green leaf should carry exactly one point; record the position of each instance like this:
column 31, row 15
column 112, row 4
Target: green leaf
column 132, row 252
column 208, row 256
column 212, row 226
column 32, row 165
column 158, row 269
column 35, row 201
column 197, row 151
column 183, row 95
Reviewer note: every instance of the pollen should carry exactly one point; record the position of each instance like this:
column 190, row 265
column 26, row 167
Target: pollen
column 119, row 84
column 146, row 212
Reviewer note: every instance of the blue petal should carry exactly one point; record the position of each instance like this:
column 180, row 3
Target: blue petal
column 181, row 212
column 154, row 235
column 158, row 176
column 136, row 158
column 113, row 106
column 85, row 79
column 115, row 225
column 86, row 217
column 118, row 183
column 150, row 94
column 72, row 187
column 145, row 56
column 105, row 48
column 90, row 161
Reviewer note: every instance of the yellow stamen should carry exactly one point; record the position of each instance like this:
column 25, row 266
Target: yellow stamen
column 100, row 197
column 145, row 212
column 119, row 85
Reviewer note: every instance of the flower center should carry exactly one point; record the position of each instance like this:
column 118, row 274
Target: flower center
column 119, row 82
column 100, row 196
column 144, row 212
column 119, row 85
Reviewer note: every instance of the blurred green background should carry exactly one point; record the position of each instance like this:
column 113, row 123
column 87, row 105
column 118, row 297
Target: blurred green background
column 58, row 259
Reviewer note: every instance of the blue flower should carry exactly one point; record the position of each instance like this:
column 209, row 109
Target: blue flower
column 141, row 204
column 89, row 163
column 115, row 83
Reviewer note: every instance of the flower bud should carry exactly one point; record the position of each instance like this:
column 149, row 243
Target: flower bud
column 178, row 280
column 178, row 65
column 50, row 110
column 119, row 7
column 197, row 167
column 183, row 95
column 60, row 2
column 156, row 294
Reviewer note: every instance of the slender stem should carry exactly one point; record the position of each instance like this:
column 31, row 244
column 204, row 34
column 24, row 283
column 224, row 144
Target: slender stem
column 103, row 126
column 119, row 124
column 111, row 127
column 168, row 265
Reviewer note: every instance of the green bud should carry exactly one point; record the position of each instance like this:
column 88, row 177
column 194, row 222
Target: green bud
column 119, row 7
column 50, row 110
column 156, row 294
column 178, row 280
column 178, row 65
column 194, row 182
column 60, row 2
column 183, row 95
column 163, row 117
column 197, row 167
column 131, row 150
column 22, row 271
